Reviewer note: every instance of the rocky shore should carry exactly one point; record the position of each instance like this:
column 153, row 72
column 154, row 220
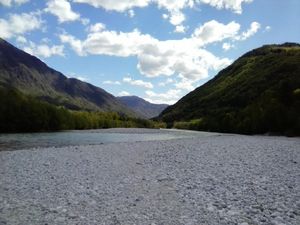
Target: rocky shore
column 221, row 179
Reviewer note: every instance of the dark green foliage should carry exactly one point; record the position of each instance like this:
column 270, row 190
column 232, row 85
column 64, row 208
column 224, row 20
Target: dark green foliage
column 20, row 113
column 258, row 93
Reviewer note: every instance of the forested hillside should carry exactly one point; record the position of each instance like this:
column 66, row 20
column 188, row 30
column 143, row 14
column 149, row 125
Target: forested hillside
column 258, row 93
column 31, row 76
column 20, row 113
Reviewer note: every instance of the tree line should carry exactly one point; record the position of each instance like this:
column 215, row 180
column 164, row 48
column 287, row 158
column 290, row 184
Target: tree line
column 21, row 113
column 275, row 113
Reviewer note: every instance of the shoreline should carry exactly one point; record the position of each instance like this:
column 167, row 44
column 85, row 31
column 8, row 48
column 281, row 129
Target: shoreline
column 222, row 179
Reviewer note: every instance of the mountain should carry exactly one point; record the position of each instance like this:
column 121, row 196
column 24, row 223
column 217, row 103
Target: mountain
column 258, row 93
column 142, row 107
column 31, row 76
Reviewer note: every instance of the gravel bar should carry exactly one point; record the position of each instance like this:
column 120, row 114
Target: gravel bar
column 221, row 179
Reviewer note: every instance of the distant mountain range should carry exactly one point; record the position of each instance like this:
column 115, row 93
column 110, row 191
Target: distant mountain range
column 142, row 107
column 31, row 76
column 258, row 93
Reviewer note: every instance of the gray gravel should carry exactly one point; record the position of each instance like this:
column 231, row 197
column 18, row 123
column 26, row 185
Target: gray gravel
column 225, row 179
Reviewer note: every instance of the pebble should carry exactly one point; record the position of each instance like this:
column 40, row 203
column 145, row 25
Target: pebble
column 221, row 179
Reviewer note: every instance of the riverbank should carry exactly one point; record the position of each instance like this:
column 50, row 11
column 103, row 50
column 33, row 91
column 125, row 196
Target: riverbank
column 219, row 179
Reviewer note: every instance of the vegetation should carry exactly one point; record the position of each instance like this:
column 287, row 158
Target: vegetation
column 31, row 76
column 259, row 93
column 20, row 113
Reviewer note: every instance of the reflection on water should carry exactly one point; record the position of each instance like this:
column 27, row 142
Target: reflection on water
column 87, row 137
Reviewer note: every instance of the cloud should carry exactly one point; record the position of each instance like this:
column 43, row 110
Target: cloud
column 165, row 16
column 73, row 42
column 9, row 3
column 174, row 8
column 139, row 83
column 254, row 27
column 76, row 76
column 21, row 40
column 214, row 31
column 18, row 24
column 124, row 93
column 81, row 78
column 116, row 5
column 168, row 81
column 226, row 46
column 112, row 82
column 108, row 43
column 234, row 5
column 176, row 18
column 171, row 6
column 169, row 97
column 44, row 50
column 85, row 21
column 131, row 13
column 185, row 57
column 62, row 9
column 97, row 27
column 268, row 28
column 180, row 29
column 185, row 84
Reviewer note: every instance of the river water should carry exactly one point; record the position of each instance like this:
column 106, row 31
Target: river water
column 89, row 137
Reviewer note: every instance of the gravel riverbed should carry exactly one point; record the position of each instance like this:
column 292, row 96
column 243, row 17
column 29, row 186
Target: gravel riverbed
column 218, row 179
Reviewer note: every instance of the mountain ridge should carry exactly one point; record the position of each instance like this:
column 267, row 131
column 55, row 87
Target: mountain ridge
column 242, row 97
column 30, row 75
column 142, row 107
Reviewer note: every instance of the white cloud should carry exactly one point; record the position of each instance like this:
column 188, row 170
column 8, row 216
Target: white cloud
column 82, row 78
column 124, row 93
column 139, row 83
column 9, row 3
column 185, row 84
column 169, row 97
column 171, row 6
column 268, row 28
column 214, row 31
column 85, row 21
column 111, row 82
column 184, row 57
column 179, row 29
column 168, row 81
column 75, row 43
column 226, row 46
column 97, row 27
column 116, row 5
column 44, row 50
column 45, row 40
column 254, row 27
column 176, row 18
column 131, row 13
column 18, row 24
column 76, row 76
column 108, row 43
column 21, row 40
column 165, row 16
column 234, row 5
column 174, row 8
column 62, row 9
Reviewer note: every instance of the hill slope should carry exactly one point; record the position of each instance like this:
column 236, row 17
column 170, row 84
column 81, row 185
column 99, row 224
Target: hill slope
column 31, row 76
column 258, row 93
column 142, row 107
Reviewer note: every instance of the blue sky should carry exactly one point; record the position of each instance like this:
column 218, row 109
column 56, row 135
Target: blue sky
column 156, row 49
